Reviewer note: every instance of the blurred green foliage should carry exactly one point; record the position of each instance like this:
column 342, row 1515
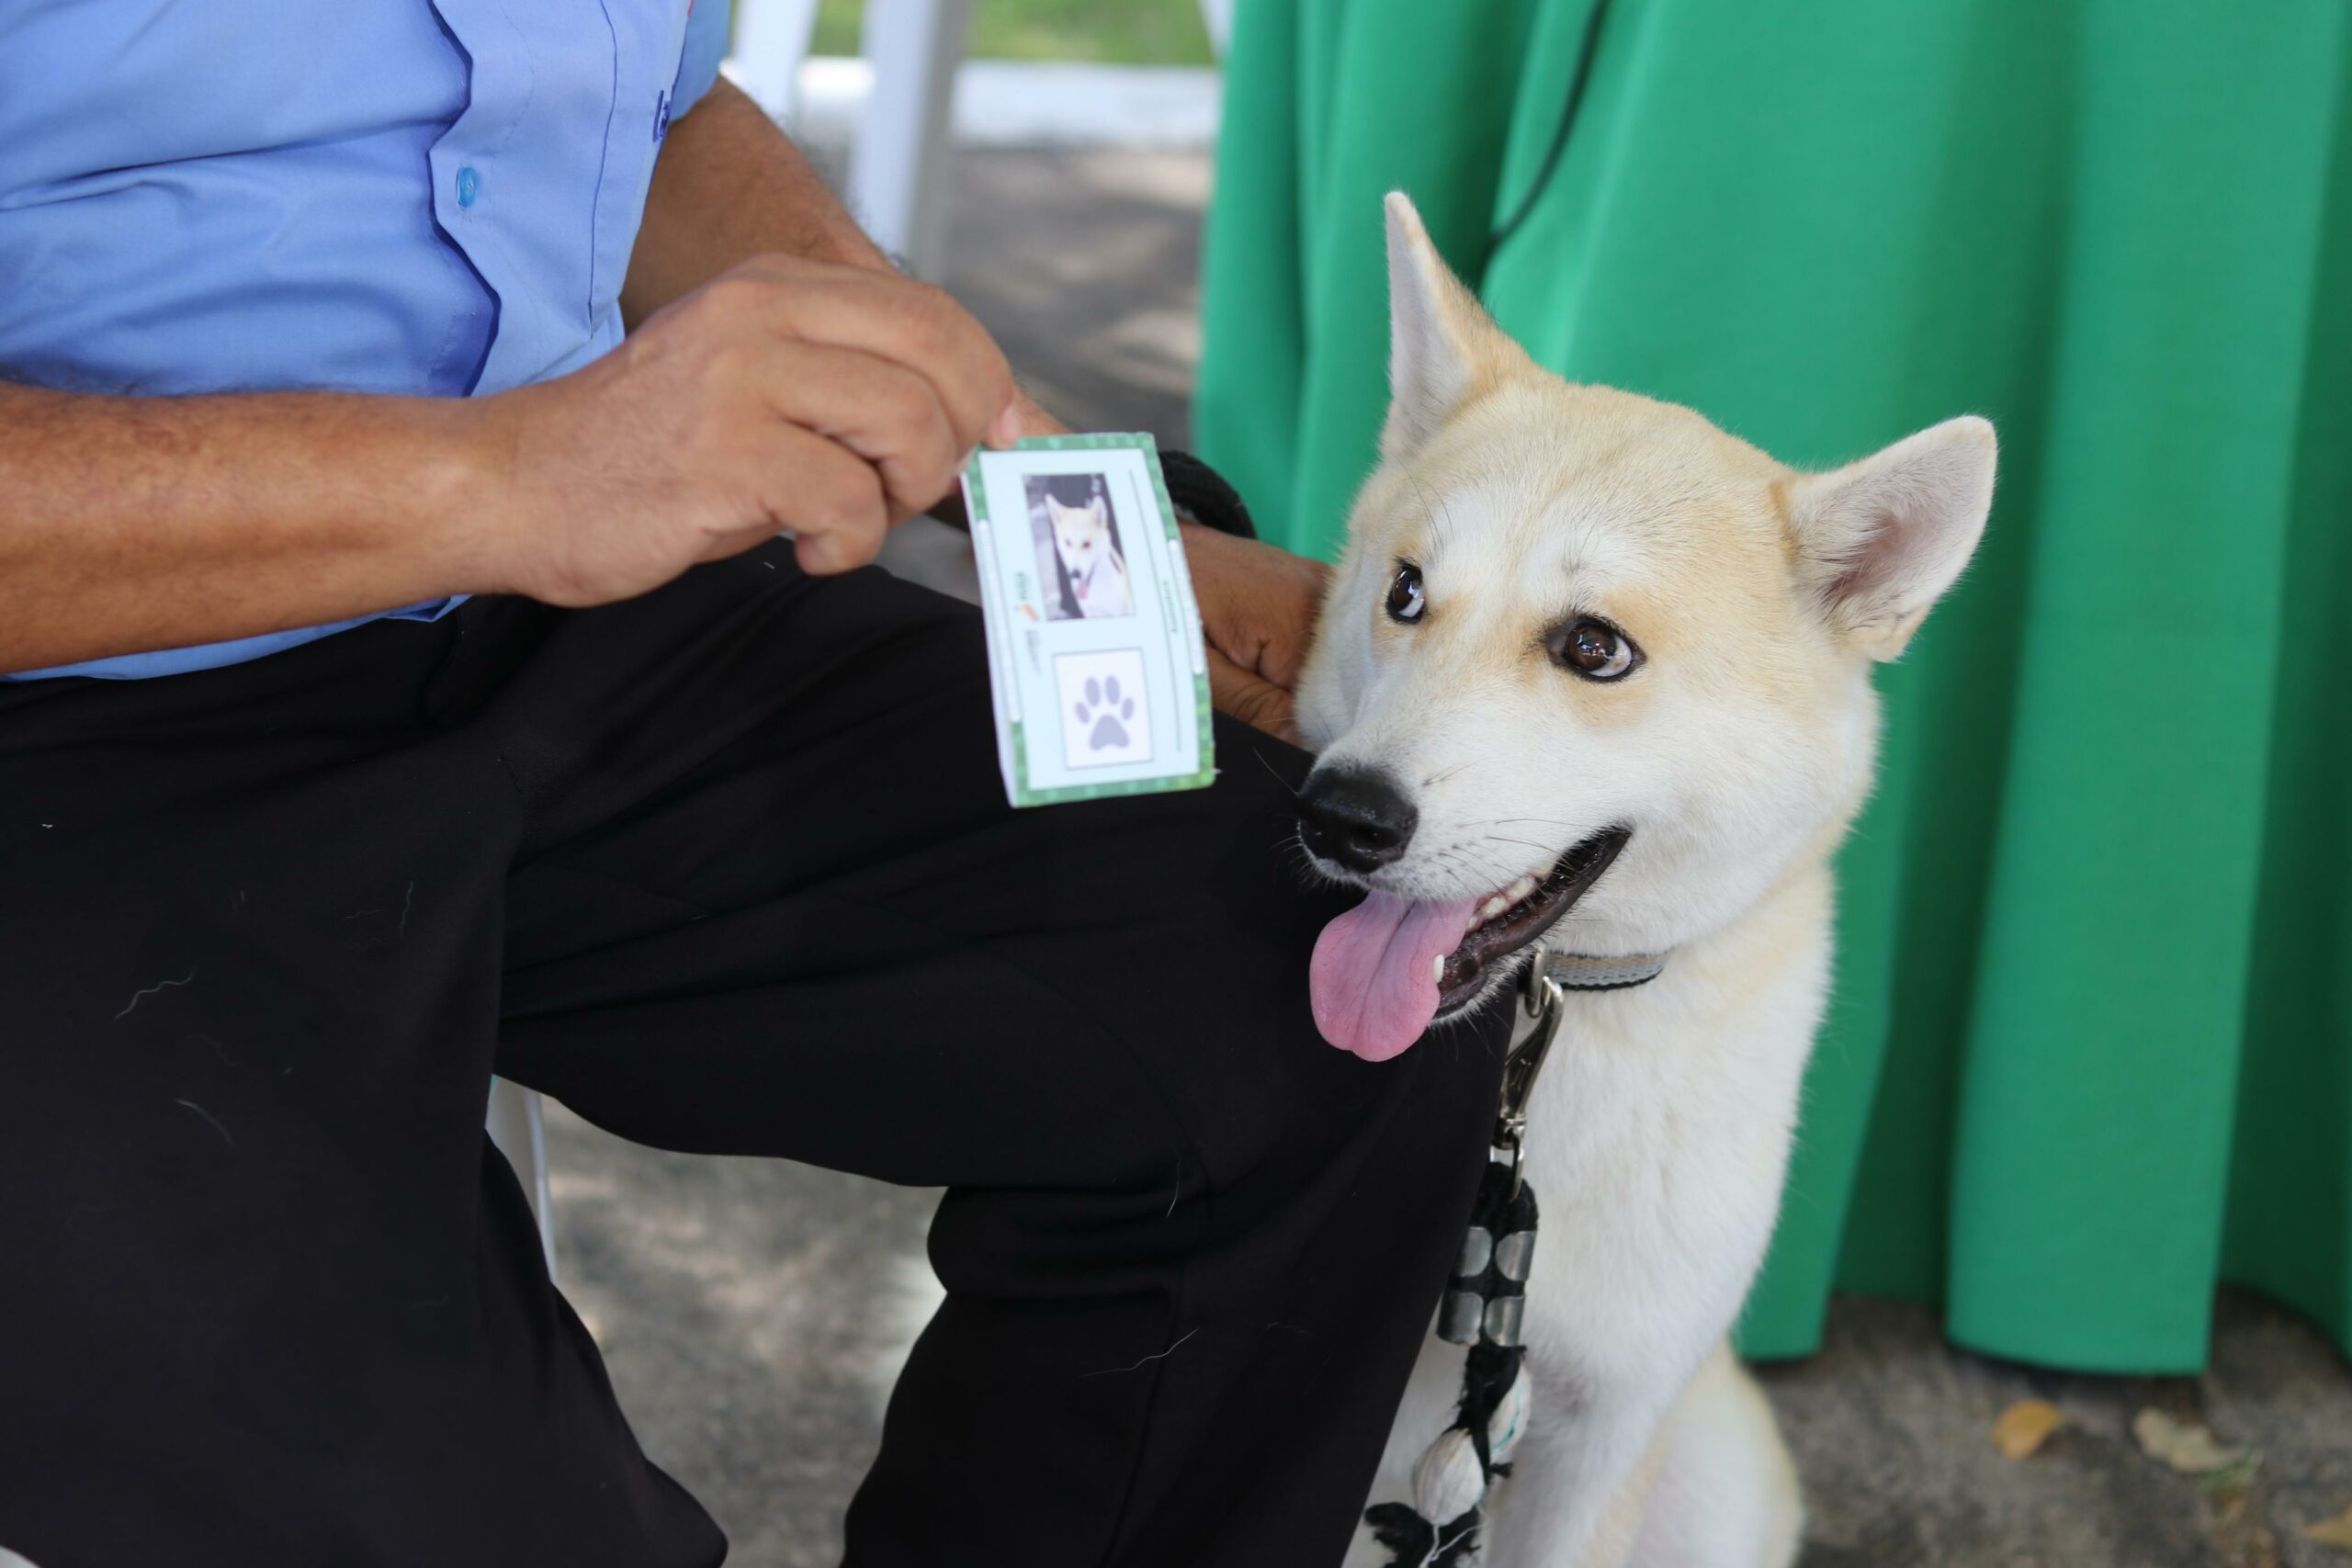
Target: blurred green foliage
column 1119, row 32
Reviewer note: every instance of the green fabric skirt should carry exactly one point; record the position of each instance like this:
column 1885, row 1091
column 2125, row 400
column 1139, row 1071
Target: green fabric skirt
column 2091, row 1046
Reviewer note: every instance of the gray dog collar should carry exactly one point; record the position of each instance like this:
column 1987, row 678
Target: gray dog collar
column 1575, row 972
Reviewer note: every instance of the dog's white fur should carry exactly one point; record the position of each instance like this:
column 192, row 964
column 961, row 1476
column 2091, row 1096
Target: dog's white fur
column 1098, row 576
column 1737, row 753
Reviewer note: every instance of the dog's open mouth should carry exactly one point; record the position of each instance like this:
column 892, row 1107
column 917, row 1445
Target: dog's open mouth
column 1499, row 929
column 1389, row 967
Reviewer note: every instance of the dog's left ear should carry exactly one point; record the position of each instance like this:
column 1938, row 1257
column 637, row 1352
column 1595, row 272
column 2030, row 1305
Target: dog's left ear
column 1881, row 539
column 1442, row 346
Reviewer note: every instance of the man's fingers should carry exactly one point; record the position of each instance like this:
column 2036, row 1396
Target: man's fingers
column 824, row 555
column 826, row 494
column 879, row 409
column 1252, row 699
column 893, row 318
column 734, row 542
column 1257, row 602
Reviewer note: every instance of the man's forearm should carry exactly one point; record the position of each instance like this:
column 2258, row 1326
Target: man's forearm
column 130, row 523
column 135, row 524
column 730, row 186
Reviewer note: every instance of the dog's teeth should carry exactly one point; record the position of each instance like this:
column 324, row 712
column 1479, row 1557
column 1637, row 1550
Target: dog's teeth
column 1494, row 906
column 1437, row 970
column 1520, row 889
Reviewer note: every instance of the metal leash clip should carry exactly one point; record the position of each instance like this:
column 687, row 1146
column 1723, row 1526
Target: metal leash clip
column 1540, row 996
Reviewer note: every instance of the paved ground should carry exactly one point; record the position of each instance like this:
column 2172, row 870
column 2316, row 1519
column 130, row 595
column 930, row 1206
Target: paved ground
column 1893, row 1435
column 751, row 1310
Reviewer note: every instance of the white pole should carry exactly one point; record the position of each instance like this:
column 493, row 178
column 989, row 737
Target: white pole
column 519, row 1127
column 1217, row 17
column 771, row 39
column 898, row 171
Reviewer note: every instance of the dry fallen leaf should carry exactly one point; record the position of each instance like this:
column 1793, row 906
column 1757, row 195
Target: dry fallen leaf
column 2025, row 1427
column 2186, row 1446
column 2335, row 1532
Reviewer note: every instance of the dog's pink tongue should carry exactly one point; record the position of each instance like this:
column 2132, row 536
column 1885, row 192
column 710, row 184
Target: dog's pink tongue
column 1373, row 977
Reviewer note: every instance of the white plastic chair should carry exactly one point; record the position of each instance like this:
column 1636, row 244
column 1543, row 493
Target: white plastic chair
column 518, row 1126
column 898, row 166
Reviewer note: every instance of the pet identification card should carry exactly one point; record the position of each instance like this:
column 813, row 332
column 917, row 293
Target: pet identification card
column 1095, row 660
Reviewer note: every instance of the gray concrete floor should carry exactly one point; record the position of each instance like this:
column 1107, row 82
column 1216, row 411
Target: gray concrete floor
column 752, row 1312
column 1893, row 1433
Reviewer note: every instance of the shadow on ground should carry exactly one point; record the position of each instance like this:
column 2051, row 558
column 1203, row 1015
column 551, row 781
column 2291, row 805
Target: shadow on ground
column 747, row 1312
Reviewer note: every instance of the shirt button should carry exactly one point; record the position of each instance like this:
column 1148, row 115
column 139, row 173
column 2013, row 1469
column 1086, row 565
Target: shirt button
column 469, row 185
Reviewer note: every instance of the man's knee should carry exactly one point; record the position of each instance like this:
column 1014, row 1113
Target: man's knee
column 1211, row 993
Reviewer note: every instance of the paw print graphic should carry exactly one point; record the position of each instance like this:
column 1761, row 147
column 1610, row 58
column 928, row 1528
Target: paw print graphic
column 1106, row 712
column 1106, row 717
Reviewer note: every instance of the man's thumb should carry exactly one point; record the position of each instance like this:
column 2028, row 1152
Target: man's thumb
column 1252, row 698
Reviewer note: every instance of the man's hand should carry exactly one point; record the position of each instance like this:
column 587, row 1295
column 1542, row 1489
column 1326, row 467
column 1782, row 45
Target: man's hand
column 1257, row 608
column 786, row 394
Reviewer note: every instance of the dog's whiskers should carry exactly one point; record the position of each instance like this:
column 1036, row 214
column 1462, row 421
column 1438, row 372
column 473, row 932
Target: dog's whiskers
column 1288, row 788
column 1431, row 514
column 1506, row 838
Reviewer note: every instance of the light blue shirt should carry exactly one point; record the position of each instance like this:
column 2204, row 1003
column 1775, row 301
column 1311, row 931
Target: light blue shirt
column 419, row 197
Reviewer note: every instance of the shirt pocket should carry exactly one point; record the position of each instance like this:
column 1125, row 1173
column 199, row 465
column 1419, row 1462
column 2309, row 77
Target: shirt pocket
column 648, row 36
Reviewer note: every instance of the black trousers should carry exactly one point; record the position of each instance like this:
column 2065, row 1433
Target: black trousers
column 727, row 868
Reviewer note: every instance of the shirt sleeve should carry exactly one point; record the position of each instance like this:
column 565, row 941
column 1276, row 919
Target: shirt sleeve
column 706, row 37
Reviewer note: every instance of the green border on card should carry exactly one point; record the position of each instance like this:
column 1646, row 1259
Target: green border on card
column 1141, row 441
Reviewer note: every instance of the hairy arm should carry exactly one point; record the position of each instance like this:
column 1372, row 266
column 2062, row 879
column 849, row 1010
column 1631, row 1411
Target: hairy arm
column 779, row 375
column 141, row 523
column 730, row 186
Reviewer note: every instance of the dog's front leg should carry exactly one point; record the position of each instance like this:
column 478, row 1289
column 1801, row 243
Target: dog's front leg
column 1579, row 1482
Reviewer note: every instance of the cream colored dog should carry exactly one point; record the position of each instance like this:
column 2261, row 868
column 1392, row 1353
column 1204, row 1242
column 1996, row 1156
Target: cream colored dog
column 1588, row 652
column 1089, row 554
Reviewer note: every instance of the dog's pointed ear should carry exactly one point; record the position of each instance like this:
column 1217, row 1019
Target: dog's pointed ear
column 1442, row 347
column 1880, row 539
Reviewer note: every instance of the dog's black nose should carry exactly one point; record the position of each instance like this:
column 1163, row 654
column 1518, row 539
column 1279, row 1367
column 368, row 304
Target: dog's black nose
column 1356, row 816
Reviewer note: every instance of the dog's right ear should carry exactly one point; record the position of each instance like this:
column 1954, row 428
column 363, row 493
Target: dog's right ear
column 1442, row 347
column 1880, row 539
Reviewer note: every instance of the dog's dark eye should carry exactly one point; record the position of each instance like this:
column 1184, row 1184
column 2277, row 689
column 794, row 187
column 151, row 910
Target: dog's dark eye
column 1594, row 649
column 1405, row 593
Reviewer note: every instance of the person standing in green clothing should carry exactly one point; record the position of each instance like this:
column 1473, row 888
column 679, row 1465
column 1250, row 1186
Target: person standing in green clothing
column 2091, row 1049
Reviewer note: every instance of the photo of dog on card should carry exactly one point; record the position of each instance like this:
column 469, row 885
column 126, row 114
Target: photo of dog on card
column 1078, row 546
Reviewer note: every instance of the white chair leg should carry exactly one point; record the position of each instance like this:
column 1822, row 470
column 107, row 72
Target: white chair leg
column 518, row 1126
column 898, row 171
column 772, row 38
column 1217, row 16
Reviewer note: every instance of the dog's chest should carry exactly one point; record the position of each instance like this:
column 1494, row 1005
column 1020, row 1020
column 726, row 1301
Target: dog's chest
column 1099, row 589
column 1657, row 1163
